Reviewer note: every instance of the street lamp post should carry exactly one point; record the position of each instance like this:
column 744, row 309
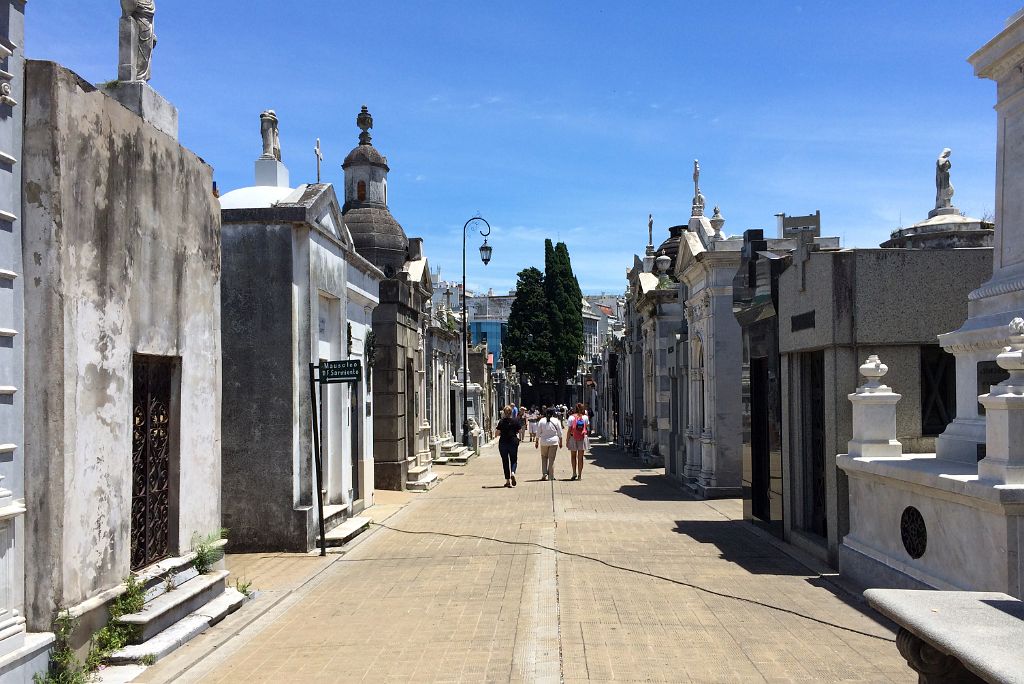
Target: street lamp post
column 485, row 256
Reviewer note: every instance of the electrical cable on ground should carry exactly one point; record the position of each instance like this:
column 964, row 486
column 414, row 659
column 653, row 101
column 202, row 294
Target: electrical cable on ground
column 645, row 574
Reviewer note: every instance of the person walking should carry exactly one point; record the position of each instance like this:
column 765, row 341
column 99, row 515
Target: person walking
column 579, row 428
column 507, row 432
column 532, row 419
column 549, row 441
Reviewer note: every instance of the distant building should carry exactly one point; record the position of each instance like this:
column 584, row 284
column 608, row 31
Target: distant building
column 792, row 226
column 488, row 321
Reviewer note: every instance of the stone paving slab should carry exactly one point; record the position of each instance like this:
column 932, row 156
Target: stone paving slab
column 442, row 601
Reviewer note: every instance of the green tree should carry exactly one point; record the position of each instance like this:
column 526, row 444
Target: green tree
column 565, row 311
column 528, row 338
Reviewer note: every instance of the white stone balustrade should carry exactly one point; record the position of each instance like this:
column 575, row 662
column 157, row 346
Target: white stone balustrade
column 874, row 414
column 1004, row 416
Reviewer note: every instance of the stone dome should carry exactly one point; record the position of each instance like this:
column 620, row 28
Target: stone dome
column 376, row 234
column 365, row 154
column 670, row 247
column 378, row 237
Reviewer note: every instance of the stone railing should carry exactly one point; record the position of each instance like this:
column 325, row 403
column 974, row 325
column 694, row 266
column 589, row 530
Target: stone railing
column 956, row 636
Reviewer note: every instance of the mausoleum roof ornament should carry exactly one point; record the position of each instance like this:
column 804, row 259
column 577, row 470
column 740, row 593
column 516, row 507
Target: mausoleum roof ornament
column 873, row 370
column 698, row 198
column 945, row 226
column 269, row 130
column 943, row 188
column 364, row 121
column 1011, row 359
column 136, row 39
column 365, row 152
column 650, row 234
column 717, row 221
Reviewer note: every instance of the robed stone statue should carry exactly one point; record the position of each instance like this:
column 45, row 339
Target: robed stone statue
column 271, row 135
column 137, row 39
column 943, row 188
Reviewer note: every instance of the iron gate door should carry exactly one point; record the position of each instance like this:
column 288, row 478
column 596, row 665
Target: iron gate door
column 151, row 426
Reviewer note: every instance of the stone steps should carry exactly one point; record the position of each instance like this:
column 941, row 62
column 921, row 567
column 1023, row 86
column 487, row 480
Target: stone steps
column 181, row 632
column 170, row 606
column 461, row 457
column 346, row 531
column 334, row 515
column 420, row 478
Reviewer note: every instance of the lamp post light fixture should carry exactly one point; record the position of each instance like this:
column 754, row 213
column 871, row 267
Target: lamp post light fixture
column 485, row 255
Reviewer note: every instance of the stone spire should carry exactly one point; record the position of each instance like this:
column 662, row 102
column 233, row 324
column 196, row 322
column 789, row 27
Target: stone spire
column 698, row 198
column 365, row 122
column 650, row 234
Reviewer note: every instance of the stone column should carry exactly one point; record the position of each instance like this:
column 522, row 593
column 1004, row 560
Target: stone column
column 1004, row 417
column 874, row 414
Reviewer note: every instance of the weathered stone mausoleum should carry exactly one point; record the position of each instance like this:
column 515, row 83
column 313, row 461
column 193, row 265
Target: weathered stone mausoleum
column 294, row 292
column 401, row 431
column 122, row 366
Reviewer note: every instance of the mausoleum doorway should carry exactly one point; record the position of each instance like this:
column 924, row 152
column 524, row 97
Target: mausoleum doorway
column 812, row 413
column 154, row 380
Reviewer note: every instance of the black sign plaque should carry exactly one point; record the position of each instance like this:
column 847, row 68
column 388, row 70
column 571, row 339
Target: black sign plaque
column 332, row 372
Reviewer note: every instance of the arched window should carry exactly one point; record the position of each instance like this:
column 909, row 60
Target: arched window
column 361, row 191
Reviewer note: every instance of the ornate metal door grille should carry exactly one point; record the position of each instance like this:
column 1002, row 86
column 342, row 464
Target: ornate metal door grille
column 150, row 459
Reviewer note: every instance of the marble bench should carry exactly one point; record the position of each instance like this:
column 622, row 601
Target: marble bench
column 956, row 636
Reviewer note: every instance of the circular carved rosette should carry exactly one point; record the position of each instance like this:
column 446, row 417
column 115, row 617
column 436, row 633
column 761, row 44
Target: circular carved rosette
column 913, row 532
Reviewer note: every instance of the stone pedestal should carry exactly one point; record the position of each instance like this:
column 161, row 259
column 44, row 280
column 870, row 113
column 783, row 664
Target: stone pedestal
column 140, row 98
column 269, row 171
column 874, row 414
column 1004, row 420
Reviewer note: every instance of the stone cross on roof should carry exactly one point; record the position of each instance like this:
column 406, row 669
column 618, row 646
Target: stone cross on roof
column 319, row 158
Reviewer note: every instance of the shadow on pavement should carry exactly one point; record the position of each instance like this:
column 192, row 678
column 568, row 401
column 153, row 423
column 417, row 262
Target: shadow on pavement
column 612, row 457
column 655, row 488
column 737, row 544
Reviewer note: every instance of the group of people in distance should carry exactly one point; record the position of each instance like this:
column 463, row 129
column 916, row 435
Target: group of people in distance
column 547, row 433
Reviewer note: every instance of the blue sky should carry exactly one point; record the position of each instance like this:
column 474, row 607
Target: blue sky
column 574, row 120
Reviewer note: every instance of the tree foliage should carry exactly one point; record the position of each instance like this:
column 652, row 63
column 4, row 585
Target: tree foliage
column 528, row 339
column 565, row 311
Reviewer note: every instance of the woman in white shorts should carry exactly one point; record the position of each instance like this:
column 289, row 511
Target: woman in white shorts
column 549, row 441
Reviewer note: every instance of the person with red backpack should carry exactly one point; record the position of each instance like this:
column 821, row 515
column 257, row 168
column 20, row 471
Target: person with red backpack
column 579, row 428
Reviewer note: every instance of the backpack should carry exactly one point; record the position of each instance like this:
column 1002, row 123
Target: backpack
column 579, row 427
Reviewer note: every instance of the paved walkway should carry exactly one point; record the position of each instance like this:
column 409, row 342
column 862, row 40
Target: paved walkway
column 594, row 580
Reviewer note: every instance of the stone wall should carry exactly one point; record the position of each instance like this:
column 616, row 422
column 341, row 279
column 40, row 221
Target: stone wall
column 259, row 385
column 122, row 246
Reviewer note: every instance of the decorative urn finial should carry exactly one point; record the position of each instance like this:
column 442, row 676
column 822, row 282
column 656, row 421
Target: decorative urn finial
column 663, row 262
column 365, row 123
column 717, row 221
column 1012, row 358
column 873, row 369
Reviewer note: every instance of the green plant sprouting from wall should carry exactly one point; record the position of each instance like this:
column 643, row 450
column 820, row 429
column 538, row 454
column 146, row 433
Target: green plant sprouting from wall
column 65, row 667
column 207, row 550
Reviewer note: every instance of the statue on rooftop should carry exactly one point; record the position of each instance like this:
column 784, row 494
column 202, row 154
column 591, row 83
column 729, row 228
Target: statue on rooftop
column 698, row 197
column 271, row 135
column 137, row 39
column 943, row 188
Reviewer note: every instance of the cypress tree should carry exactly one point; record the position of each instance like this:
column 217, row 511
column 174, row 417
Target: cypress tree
column 528, row 338
column 565, row 311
